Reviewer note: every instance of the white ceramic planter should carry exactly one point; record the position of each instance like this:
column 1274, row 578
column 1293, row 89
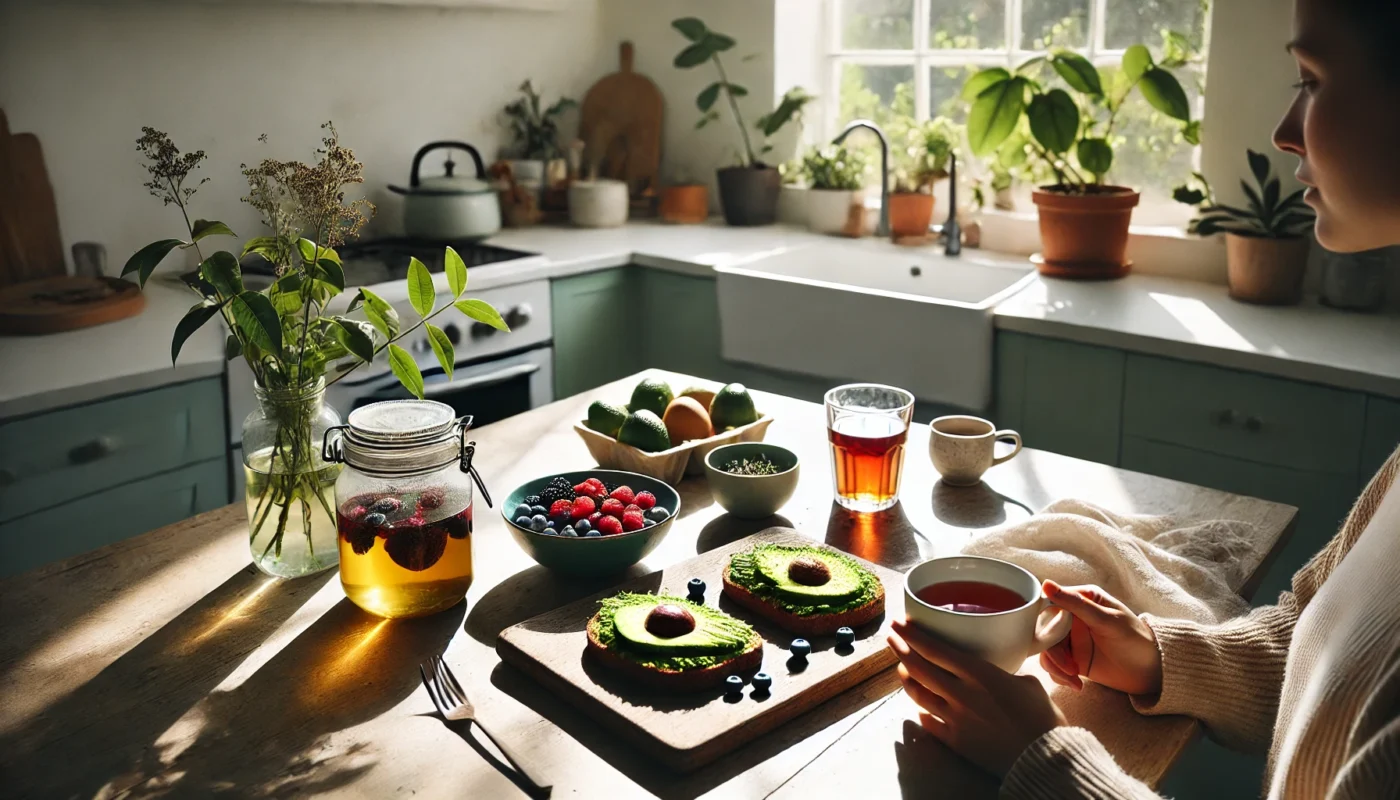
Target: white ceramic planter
column 829, row 210
column 792, row 205
column 600, row 203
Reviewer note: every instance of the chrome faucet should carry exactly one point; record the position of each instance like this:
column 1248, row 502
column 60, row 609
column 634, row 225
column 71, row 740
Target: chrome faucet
column 884, row 227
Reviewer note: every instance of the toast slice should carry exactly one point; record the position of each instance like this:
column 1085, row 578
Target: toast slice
column 810, row 625
column 672, row 680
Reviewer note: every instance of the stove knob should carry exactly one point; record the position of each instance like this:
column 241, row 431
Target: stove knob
column 519, row 315
column 481, row 330
column 454, row 333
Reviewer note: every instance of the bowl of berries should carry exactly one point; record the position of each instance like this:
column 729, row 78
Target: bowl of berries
column 591, row 522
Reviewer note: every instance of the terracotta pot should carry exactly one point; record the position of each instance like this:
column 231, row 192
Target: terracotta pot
column 910, row 214
column 1085, row 235
column 749, row 195
column 686, row 204
column 1266, row 271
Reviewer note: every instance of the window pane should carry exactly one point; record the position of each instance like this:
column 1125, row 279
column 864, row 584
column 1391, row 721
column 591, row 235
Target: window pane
column 1130, row 22
column 945, row 90
column 967, row 24
column 1150, row 154
column 1054, row 23
column 877, row 24
column 880, row 93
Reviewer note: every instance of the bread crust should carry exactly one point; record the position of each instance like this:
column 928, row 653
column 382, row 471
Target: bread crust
column 670, row 680
column 814, row 625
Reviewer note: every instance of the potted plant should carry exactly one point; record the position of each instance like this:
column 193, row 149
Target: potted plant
column 922, row 162
column 836, row 197
column 1266, row 243
column 294, row 348
column 748, row 192
column 1083, row 220
column 685, row 202
column 536, row 132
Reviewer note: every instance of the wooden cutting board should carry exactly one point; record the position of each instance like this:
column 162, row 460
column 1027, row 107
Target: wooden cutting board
column 620, row 125
column 686, row 732
column 30, row 245
column 65, row 303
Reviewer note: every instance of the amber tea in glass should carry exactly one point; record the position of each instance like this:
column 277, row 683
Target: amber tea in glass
column 867, row 425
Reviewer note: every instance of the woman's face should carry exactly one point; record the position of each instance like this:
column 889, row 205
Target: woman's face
column 1344, row 125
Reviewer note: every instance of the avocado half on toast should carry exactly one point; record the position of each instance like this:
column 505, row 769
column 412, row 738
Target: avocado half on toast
column 805, row 590
column 669, row 643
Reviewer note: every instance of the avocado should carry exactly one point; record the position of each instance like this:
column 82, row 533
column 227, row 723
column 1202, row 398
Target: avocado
column 766, row 570
column 717, row 636
column 646, row 432
column 651, row 395
column 606, row 418
column 732, row 408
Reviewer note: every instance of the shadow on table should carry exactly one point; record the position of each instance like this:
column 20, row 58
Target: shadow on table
column 884, row 537
column 726, row 528
column 927, row 768
column 533, row 591
column 108, row 726
column 974, row 507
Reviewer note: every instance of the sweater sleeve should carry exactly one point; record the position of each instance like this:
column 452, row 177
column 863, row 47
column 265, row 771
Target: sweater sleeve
column 1070, row 764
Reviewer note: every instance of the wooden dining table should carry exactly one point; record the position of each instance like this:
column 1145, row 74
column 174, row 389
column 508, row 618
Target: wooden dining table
column 168, row 665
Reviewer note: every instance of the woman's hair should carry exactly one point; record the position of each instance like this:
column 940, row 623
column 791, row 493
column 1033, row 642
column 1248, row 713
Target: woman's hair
column 1378, row 23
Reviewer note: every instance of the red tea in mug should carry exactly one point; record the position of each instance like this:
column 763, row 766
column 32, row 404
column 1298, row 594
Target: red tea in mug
column 971, row 597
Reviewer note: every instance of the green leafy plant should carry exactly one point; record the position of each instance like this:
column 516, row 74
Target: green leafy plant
column 706, row 46
column 923, row 158
column 1075, row 139
column 536, row 130
column 834, row 167
column 1269, row 215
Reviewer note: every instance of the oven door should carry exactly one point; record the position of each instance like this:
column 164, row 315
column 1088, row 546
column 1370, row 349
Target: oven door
column 488, row 391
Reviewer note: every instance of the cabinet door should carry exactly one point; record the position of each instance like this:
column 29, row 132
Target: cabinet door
column 1061, row 396
column 594, row 338
column 112, row 515
column 680, row 315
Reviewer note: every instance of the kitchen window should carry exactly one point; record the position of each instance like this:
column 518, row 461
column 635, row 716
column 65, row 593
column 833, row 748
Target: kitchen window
column 891, row 58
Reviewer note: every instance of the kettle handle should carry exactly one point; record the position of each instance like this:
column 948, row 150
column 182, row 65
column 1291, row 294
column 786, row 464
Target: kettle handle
column 430, row 146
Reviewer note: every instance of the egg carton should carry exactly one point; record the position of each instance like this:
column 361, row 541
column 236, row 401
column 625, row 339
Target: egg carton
column 671, row 466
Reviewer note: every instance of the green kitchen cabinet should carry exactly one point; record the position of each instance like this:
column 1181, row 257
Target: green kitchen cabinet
column 680, row 314
column 1060, row 396
column 1381, row 437
column 595, row 329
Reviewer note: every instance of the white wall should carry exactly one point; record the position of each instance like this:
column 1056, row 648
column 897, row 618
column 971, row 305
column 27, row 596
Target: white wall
column 86, row 77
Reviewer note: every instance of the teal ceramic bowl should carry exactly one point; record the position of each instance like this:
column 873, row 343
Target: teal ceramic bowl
column 752, row 496
column 595, row 555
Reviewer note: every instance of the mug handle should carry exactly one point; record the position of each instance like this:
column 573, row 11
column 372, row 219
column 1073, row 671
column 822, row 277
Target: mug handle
column 1008, row 434
column 1049, row 635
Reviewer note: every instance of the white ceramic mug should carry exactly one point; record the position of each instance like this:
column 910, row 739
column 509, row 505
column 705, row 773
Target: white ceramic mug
column 962, row 448
column 1006, row 638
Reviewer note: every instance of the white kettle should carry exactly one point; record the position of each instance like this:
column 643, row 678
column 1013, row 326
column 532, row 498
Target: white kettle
column 449, row 207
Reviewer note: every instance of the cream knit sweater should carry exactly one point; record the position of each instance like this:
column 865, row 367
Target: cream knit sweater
column 1316, row 677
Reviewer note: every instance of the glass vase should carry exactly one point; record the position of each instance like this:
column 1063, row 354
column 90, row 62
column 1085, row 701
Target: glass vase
column 291, row 489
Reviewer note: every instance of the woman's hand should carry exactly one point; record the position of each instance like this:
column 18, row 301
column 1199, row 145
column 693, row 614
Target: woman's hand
column 1107, row 643
column 978, row 710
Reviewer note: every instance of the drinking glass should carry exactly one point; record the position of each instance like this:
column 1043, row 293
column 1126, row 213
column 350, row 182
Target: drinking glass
column 867, row 424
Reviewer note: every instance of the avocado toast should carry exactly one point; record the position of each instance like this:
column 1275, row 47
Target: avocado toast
column 805, row 590
column 670, row 643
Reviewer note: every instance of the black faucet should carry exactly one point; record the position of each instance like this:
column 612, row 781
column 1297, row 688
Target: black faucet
column 884, row 227
column 952, row 233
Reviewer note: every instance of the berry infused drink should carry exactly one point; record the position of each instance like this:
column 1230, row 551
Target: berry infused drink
column 867, row 425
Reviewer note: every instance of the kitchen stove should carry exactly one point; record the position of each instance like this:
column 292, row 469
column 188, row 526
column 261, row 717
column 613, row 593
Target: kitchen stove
column 386, row 260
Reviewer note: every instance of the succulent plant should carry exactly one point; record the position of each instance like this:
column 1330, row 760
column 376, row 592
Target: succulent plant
column 1269, row 214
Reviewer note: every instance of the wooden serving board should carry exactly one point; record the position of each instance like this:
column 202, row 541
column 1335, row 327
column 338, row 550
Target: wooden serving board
column 620, row 124
column 65, row 303
column 30, row 245
column 687, row 731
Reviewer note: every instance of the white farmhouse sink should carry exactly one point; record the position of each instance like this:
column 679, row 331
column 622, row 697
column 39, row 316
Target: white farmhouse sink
column 871, row 311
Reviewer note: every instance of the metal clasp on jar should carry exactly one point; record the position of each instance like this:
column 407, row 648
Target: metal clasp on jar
column 468, row 451
column 331, row 451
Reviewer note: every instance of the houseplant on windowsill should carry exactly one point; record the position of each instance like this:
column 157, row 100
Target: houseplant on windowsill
column 748, row 192
column 836, row 197
column 292, row 345
column 1083, row 220
column 1266, row 244
column 536, row 132
column 921, row 162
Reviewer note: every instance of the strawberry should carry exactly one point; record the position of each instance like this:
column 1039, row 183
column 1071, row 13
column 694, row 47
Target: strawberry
column 610, row 526
column 624, row 494
column 613, row 507
column 561, row 507
column 633, row 521
column 645, row 500
column 631, row 508
column 583, row 506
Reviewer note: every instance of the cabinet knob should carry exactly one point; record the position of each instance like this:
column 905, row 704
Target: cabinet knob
column 454, row 333
column 1254, row 424
column 88, row 452
column 481, row 330
column 1225, row 416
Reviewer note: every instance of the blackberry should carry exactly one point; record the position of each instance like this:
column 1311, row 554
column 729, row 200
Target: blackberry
column 532, row 500
column 558, row 489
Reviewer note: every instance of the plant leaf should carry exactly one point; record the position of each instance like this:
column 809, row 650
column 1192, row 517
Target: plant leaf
column 1054, row 120
column 193, row 320
column 717, row 42
column 144, row 261
column 420, row 288
column 708, row 96
column 406, row 370
column 1259, row 165
column 232, row 348
column 1192, row 132
column 1295, row 200
column 693, row 56
column 994, row 115
column 1078, row 72
column 442, row 348
column 737, row 90
column 380, row 314
column 456, row 271
column 309, row 251
column 1137, row 60
column 1164, row 92
column 1095, row 155
column 982, row 81
column 329, row 273
column 203, row 227
column 691, row 28
column 349, row 333
column 794, row 100
column 1256, row 203
column 258, row 320
column 1030, row 62
column 481, row 311
column 1271, row 193
column 221, row 271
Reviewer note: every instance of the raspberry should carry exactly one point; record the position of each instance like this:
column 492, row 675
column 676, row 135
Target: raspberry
column 583, row 506
column 631, row 508
column 623, row 494
column 645, row 500
column 613, row 507
column 431, row 498
column 610, row 526
column 561, row 507
column 633, row 521
column 354, row 514
column 594, row 518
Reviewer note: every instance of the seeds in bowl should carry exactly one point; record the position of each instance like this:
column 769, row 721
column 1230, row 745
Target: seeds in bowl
column 758, row 465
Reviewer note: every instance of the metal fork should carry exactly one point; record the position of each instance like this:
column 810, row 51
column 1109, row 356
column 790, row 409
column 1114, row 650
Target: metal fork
column 453, row 705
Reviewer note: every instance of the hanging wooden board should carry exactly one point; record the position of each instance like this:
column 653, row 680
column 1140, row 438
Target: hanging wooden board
column 30, row 245
column 65, row 303
column 620, row 125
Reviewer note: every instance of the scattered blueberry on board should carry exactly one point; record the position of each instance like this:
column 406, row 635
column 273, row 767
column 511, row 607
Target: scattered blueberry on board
column 762, row 682
column 845, row 636
column 733, row 684
column 696, row 588
column 801, row 648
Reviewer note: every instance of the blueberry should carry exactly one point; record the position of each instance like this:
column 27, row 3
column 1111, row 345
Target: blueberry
column 569, row 532
column 845, row 636
column 696, row 586
column 375, row 520
column 539, row 522
column 386, row 505
column 762, row 682
column 583, row 526
column 523, row 510
column 551, row 524
column 593, row 533
column 800, row 648
column 733, row 684
column 657, row 513
column 651, row 523
column 523, row 521
column 539, row 509
column 562, row 520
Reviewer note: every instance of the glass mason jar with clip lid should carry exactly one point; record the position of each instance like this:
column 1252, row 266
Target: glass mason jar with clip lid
column 404, row 506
